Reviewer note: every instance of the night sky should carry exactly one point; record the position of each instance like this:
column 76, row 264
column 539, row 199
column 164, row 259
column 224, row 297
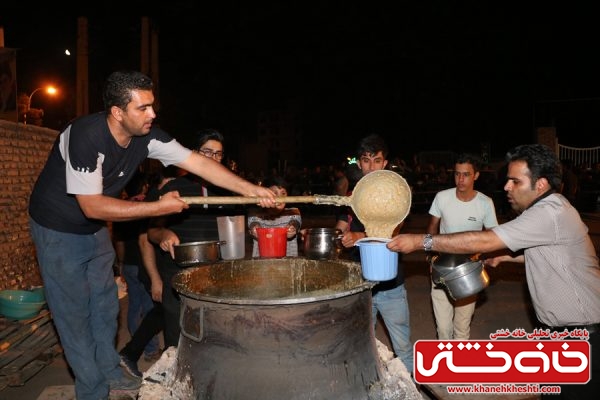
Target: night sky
column 436, row 76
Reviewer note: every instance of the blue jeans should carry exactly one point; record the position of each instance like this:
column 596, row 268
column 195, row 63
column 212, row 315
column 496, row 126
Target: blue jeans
column 392, row 304
column 139, row 304
column 81, row 292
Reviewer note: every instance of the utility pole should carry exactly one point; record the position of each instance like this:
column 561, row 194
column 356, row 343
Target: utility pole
column 82, row 97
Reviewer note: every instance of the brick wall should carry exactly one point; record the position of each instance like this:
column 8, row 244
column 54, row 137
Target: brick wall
column 23, row 152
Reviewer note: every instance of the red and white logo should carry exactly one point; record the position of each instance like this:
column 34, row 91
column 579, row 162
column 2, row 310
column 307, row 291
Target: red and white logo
column 502, row 361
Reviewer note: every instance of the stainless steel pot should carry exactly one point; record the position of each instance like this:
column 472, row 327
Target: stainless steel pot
column 461, row 275
column 322, row 243
column 197, row 253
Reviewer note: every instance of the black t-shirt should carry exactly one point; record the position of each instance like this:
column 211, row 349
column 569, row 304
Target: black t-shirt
column 195, row 224
column 97, row 164
column 199, row 222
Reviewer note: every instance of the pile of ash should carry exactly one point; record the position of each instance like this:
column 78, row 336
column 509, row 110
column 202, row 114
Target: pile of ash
column 160, row 384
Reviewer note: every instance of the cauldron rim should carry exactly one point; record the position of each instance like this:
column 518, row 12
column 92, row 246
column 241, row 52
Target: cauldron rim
column 353, row 268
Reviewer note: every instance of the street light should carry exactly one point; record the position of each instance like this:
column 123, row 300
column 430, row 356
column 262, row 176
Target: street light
column 51, row 90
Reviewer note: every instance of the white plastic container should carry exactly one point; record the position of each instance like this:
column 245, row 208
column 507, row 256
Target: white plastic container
column 232, row 230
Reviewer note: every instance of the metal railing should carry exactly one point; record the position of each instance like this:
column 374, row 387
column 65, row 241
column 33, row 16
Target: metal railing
column 579, row 155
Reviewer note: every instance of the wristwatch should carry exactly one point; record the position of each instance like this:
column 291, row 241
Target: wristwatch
column 427, row 242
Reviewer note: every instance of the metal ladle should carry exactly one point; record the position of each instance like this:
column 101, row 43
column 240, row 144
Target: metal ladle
column 381, row 200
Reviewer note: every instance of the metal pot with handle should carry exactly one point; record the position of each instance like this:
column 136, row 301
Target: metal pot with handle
column 322, row 243
column 196, row 253
column 461, row 275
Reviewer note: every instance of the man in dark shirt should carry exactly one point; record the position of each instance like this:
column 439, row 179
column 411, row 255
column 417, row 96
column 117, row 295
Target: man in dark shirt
column 76, row 193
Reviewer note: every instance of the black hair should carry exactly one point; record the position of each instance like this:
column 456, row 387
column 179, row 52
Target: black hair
column 541, row 161
column 372, row 144
column 467, row 158
column 204, row 135
column 119, row 85
column 275, row 180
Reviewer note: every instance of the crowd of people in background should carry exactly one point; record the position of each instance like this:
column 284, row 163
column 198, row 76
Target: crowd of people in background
column 581, row 182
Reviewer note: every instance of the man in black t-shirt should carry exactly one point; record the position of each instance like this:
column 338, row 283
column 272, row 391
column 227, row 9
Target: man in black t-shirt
column 76, row 193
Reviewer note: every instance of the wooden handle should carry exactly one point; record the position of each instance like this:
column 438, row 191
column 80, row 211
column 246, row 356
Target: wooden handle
column 245, row 199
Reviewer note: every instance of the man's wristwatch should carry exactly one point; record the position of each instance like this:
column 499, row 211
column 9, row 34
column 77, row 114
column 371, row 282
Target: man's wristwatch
column 427, row 242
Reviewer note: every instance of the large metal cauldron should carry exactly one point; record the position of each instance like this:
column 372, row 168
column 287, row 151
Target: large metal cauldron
column 290, row 328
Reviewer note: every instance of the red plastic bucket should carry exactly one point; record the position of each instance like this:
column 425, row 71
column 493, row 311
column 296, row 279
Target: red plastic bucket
column 272, row 242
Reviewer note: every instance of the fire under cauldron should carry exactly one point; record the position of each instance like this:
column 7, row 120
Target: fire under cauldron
column 290, row 328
